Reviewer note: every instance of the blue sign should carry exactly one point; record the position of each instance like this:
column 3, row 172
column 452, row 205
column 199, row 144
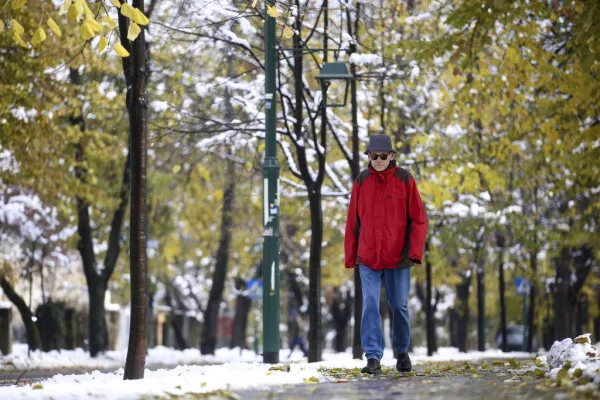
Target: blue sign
column 522, row 286
column 254, row 288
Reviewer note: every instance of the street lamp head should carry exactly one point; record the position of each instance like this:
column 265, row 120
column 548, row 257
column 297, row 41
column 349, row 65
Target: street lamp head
column 330, row 73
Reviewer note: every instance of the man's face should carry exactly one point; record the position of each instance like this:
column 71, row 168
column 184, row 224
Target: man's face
column 377, row 160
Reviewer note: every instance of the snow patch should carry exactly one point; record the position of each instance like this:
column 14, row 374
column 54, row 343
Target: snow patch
column 365, row 59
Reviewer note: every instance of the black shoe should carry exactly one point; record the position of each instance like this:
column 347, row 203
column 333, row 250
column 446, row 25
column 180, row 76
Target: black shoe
column 403, row 364
column 373, row 367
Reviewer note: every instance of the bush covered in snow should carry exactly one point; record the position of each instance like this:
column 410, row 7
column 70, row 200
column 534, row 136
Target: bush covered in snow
column 575, row 363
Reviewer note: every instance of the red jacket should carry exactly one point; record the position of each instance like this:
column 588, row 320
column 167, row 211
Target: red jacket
column 387, row 223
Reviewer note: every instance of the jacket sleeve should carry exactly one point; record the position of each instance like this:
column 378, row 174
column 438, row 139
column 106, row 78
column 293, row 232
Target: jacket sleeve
column 418, row 218
column 352, row 230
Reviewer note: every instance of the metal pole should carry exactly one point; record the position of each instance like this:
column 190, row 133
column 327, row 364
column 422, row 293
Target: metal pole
column 525, row 321
column 270, row 203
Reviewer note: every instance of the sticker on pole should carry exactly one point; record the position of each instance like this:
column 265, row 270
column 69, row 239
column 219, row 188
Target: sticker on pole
column 254, row 288
column 522, row 286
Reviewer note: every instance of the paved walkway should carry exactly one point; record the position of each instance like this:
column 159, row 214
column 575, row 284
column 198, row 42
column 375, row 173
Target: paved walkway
column 489, row 380
column 431, row 381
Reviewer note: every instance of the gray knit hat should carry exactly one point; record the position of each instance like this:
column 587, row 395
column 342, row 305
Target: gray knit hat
column 380, row 142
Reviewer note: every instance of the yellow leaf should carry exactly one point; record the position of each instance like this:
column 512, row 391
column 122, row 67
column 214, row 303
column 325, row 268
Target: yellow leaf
column 38, row 37
column 288, row 32
column 134, row 31
column 111, row 23
column 139, row 18
column 272, row 11
column 176, row 168
column 72, row 14
column 127, row 10
column 19, row 40
column 54, row 27
column 94, row 25
column 103, row 43
column 80, row 6
column 120, row 50
column 17, row 27
column 1, row 25
column 65, row 7
column 116, row 3
column 18, row 4
column 254, row 3
column 86, row 31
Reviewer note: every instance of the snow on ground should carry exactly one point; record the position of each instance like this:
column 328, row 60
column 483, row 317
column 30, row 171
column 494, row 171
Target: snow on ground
column 576, row 361
column 165, row 357
column 237, row 372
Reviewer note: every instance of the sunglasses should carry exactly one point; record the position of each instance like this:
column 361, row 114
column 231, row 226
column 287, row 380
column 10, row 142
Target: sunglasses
column 375, row 156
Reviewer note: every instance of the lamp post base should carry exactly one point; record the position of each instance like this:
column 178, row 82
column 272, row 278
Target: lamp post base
column 271, row 357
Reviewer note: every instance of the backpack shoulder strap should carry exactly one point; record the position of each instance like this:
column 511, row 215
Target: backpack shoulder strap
column 364, row 174
column 403, row 175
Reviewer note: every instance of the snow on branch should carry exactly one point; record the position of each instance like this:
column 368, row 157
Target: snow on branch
column 365, row 59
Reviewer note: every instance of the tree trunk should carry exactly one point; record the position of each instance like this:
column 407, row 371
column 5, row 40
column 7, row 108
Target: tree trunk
column 532, row 296
column 355, row 168
column 240, row 320
column 98, row 332
column 314, row 276
column 137, row 108
column 85, row 246
column 562, row 309
column 313, row 187
column 97, row 317
column 597, row 319
column 429, row 312
column 211, row 316
column 480, row 301
column 502, row 291
column 459, row 315
column 33, row 334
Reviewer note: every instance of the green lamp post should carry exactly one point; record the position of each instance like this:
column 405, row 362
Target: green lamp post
column 271, row 304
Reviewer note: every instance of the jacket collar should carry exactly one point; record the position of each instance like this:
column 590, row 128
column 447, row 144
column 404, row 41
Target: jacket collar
column 386, row 173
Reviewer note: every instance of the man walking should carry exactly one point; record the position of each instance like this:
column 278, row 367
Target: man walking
column 385, row 234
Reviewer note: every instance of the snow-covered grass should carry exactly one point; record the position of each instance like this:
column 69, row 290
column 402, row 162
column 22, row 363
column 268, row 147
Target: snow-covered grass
column 167, row 357
column 237, row 372
column 159, row 356
column 574, row 362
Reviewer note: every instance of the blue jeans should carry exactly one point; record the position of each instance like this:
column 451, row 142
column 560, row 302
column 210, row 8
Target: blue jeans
column 298, row 341
column 397, row 286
